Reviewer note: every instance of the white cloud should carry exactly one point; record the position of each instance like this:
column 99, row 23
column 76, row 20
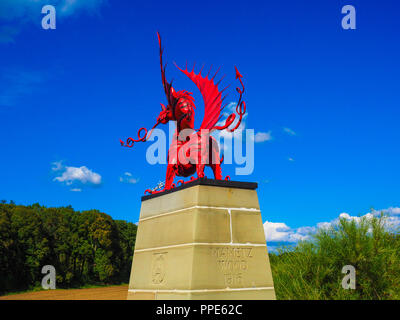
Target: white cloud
column 276, row 231
column 127, row 178
column 76, row 190
column 76, row 174
column 289, row 131
column 57, row 165
column 324, row 225
column 345, row 215
column 280, row 232
column 290, row 159
column 69, row 7
column 224, row 137
column 237, row 135
column 262, row 137
column 228, row 110
column 391, row 211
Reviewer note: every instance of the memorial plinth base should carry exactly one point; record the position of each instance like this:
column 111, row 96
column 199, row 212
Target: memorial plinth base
column 204, row 240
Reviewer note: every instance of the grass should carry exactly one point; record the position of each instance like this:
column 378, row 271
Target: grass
column 313, row 268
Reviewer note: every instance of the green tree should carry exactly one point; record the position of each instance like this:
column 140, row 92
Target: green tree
column 85, row 247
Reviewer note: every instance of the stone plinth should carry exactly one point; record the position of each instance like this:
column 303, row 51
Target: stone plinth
column 203, row 240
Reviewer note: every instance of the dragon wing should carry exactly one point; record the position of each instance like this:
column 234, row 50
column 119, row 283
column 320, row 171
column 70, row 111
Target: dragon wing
column 211, row 96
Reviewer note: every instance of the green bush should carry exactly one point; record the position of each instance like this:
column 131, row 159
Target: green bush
column 313, row 268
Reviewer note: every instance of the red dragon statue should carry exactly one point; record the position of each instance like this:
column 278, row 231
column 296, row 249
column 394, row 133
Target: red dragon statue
column 192, row 151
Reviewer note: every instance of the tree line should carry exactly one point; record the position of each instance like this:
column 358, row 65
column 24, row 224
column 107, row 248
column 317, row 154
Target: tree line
column 87, row 247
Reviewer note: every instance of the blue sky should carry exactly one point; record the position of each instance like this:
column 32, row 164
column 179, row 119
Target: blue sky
column 326, row 100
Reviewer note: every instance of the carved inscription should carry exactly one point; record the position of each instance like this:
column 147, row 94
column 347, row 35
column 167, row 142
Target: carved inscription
column 232, row 263
column 158, row 268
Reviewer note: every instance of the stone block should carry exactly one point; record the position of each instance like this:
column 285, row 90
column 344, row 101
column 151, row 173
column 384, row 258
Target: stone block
column 201, row 242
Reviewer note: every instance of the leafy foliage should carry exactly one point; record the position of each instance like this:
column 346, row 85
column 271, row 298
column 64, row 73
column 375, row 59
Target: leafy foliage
column 313, row 269
column 86, row 247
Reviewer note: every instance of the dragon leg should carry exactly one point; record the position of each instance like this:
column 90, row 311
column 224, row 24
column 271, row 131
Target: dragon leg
column 170, row 176
column 214, row 159
column 216, row 168
column 215, row 164
column 200, row 170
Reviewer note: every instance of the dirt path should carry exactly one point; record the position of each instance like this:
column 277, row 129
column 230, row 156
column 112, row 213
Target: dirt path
column 106, row 293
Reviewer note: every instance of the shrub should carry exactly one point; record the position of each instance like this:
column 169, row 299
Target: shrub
column 313, row 268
